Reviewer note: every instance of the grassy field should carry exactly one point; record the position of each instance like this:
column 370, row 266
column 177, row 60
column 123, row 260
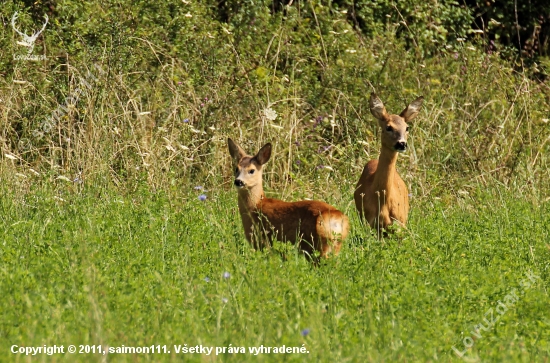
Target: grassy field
column 83, row 265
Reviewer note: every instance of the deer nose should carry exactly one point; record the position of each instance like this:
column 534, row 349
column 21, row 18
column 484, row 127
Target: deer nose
column 401, row 146
column 239, row 183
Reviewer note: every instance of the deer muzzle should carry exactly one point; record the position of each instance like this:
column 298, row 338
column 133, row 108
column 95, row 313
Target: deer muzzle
column 400, row 146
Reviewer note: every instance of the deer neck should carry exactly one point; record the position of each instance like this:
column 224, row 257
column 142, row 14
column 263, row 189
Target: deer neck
column 385, row 172
column 250, row 199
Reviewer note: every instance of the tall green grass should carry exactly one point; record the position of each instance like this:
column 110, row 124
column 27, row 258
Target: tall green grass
column 97, row 267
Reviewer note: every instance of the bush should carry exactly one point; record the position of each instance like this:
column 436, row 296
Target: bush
column 163, row 85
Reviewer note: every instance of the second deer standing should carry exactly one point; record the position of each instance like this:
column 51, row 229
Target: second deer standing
column 381, row 196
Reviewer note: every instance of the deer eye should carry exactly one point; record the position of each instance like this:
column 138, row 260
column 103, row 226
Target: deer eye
column 236, row 170
column 407, row 129
column 389, row 129
column 251, row 171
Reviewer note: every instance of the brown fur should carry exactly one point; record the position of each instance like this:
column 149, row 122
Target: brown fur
column 315, row 224
column 381, row 196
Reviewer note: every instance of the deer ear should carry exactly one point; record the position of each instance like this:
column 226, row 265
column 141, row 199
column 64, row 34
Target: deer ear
column 237, row 153
column 264, row 154
column 377, row 108
column 411, row 110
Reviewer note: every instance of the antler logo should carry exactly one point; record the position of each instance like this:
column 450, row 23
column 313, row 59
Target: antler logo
column 28, row 41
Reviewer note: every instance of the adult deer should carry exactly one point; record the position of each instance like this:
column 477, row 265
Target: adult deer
column 381, row 196
column 314, row 225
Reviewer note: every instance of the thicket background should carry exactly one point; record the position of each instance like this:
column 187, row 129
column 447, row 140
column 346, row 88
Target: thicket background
column 161, row 85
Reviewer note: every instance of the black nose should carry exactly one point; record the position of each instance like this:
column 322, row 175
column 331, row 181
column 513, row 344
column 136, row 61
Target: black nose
column 239, row 183
column 402, row 146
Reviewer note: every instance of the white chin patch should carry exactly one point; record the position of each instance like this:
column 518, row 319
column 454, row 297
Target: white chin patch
column 400, row 151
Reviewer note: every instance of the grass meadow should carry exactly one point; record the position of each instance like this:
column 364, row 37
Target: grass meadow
column 91, row 266
column 119, row 224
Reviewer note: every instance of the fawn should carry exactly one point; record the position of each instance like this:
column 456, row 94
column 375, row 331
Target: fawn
column 314, row 225
column 381, row 196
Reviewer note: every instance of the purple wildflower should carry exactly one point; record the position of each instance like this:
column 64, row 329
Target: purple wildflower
column 179, row 83
column 318, row 120
column 207, row 279
column 305, row 332
column 226, row 275
column 323, row 148
column 298, row 162
column 198, row 187
column 202, row 197
column 320, row 166
column 455, row 55
column 186, row 120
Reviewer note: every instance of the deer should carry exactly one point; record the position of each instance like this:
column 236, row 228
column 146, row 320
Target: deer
column 315, row 226
column 381, row 196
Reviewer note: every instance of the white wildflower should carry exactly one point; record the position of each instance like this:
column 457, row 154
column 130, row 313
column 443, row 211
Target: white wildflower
column 270, row 114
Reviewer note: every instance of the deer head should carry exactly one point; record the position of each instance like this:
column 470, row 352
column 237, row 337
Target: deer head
column 248, row 169
column 395, row 128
